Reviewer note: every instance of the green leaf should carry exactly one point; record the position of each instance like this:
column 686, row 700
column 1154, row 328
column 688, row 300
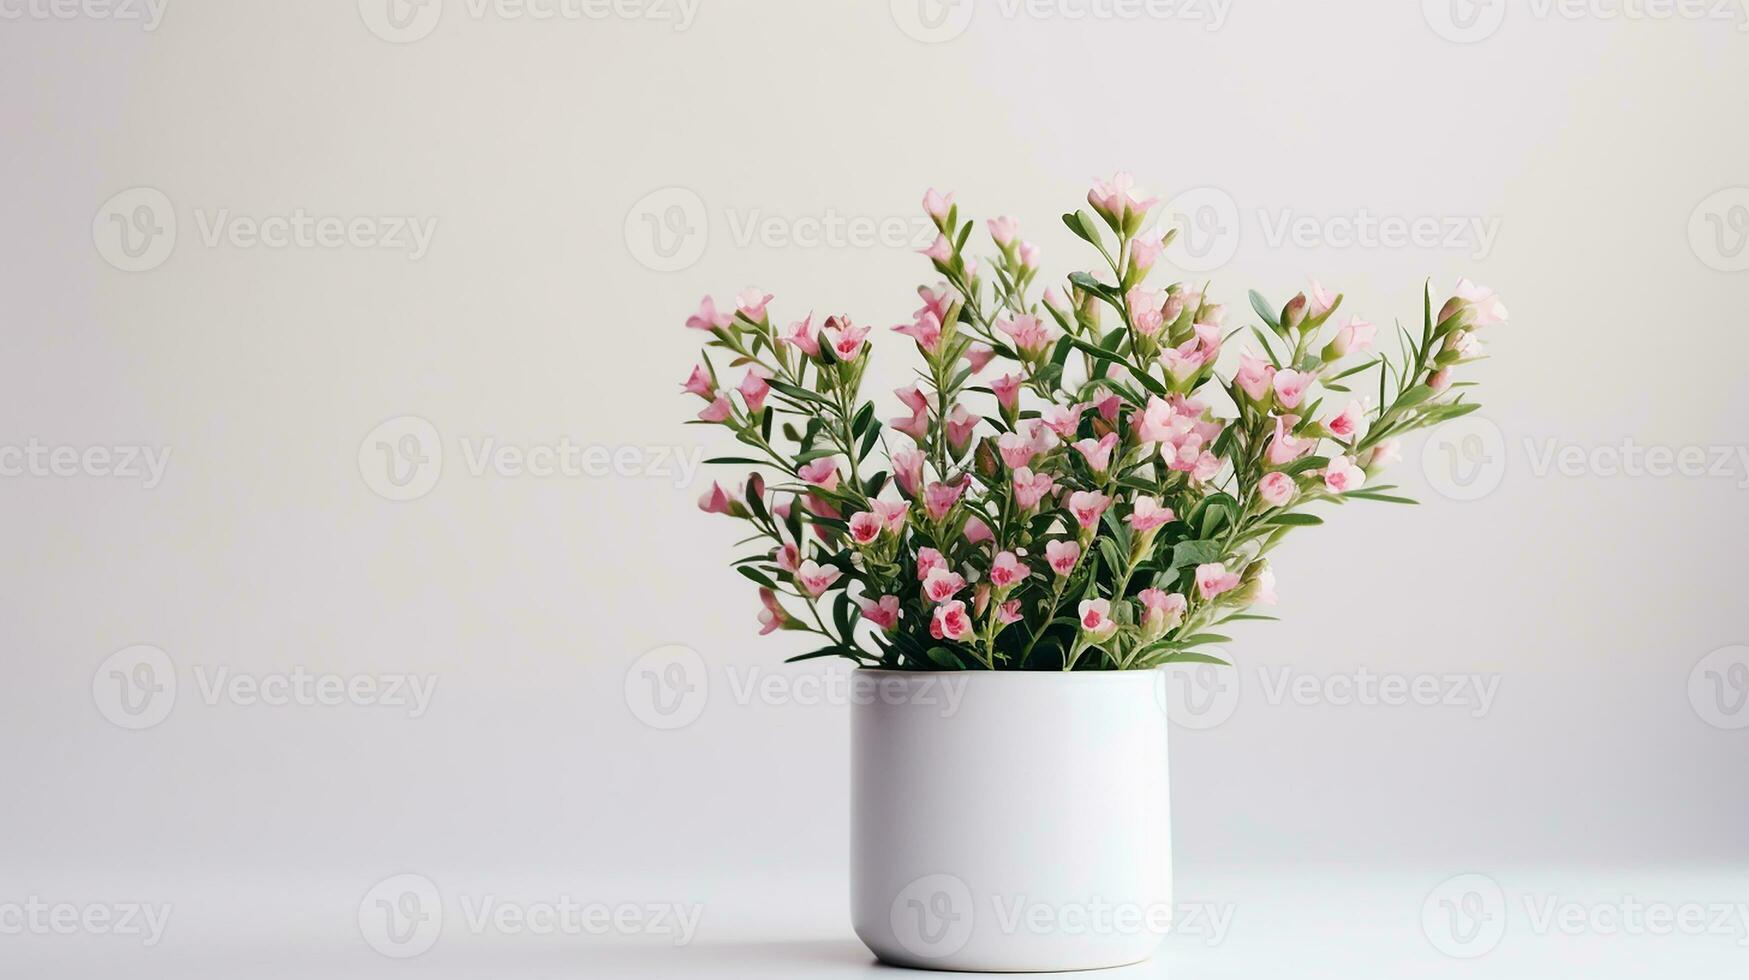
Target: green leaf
column 801, row 394
column 1193, row 658
column 1261, row 305
column 832, row 651
column 1383, row 497
column 945, row 658
column 737, row 460
column 868, row 441
column 1295, row 520
column 1186, row 553
column 1090, row 284
column 755, row 575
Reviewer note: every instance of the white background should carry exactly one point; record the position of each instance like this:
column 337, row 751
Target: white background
column 547, row 158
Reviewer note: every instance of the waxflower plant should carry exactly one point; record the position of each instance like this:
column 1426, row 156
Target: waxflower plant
column 1073, row 486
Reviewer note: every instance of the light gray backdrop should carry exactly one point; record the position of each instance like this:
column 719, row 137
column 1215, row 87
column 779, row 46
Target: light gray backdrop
column 326, row 284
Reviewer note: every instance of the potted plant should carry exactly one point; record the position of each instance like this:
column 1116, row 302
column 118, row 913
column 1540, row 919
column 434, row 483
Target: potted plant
column 1073, row 497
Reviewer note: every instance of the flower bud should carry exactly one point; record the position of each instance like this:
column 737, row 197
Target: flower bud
column 1294, row 313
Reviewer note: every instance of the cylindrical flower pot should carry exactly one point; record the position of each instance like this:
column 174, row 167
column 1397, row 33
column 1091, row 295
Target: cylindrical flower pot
column 1009, row 821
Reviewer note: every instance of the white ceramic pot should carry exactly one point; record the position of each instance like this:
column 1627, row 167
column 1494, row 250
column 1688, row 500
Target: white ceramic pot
column 1010, row 821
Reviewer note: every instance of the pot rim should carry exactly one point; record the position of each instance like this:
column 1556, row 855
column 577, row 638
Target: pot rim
column 1090, row 676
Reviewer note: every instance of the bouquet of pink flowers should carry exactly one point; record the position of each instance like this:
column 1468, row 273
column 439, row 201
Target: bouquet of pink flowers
column 1111, row 503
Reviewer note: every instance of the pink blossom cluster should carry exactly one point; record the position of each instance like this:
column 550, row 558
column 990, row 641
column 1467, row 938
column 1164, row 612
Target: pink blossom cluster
column 1089, row 480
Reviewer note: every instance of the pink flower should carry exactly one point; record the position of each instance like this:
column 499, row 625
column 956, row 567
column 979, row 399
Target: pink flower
column 753, row 389
column 803, row 336
column 937, row 204
column 1439, row 381
column 1206, row 467
column 699, row 383
column 1214, row 579
column 1355, row 335
column 1003, row 230
column 1485, row 308
column 939, row 498
column 1276, row 489
column 960, row 424
column 928, row 560
column 1029, row 255
column 1030, row 488
column 941, row 584
column 1146, row 306
column 1347, row 425
column 822, row 507
column 715, row 501
column 752, row 302
column 816, row 579
column 1144, row 252
column 926, row 331
column 1286, row 447
column 788, row 558
column 1256, row 377
column 1064, row 420
column 977, row 532
column 941, row 250
column 1062, row 556
column 1007, row 571
column 1388, row 451
column 1161, row 611
column 866, row 527
column 1108, row 407
column 1095, row 616
column 884, row 614
column 772, row 618
column 1342, row 475
column 1015, row 449
column 717, row 411
column 1009, row 613
column 1032, row 337
column 1007, row 391
column 1184, row 361
column 950, row 621
column 1263, row 589
column 822, row 473
column 1155, row 423
column 1290, row 387
column 1087, row 507
column 1113, row 199
column 707, row 317
column 1321, row 301
column 891, row 512
column 1044, row 438
column 908, row 470
column 979, row 356
column 845, row 339
column 1147, row 514
column 1098, row 452
column 917, row 426
column 938, row 302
